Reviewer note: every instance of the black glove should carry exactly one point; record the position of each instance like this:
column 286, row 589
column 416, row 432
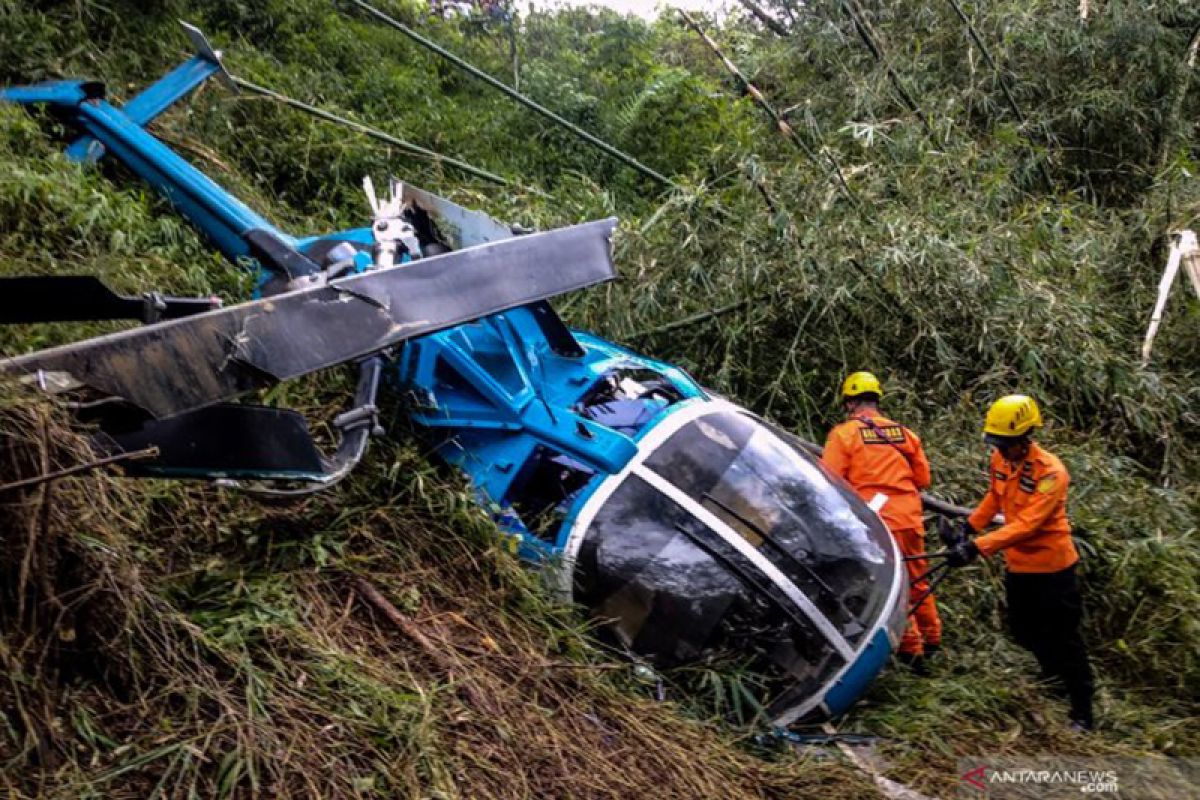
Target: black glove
column 962, row 554
column 952, row 535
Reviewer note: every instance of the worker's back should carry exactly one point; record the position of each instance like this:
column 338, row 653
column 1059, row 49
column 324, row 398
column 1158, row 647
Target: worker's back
column 879, row 456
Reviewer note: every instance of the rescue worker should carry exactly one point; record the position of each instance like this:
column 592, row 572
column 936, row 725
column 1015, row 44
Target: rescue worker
column 884, row 462
column 1029, row 487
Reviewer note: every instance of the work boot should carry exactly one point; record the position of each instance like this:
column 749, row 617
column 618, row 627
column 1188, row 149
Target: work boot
column 915, row 662
column 1080, row 715
column 931, row 650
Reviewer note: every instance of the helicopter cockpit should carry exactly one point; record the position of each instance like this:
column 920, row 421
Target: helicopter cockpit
column 693, row 528
column 722, row 536
column 689, row 525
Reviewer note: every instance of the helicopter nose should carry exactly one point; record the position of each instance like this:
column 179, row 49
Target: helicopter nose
column 724, row 538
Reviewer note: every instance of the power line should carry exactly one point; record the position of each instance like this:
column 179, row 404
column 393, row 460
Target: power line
column 515, row 95
column 374, row 133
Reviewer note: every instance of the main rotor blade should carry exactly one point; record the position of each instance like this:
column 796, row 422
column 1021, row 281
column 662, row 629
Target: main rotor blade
column 465, row 227
column 189, row 363
column 79, row 298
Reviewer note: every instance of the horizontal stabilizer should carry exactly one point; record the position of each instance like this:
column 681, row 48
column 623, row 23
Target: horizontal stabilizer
column 223, row 440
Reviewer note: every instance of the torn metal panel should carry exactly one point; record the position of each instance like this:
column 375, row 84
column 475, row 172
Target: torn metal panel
column 465, row 227
column 185, row 364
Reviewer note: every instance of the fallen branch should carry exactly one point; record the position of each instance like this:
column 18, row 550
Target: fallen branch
column 133, row 455
column 373, row 596
column 693, row 319
column 890, row 788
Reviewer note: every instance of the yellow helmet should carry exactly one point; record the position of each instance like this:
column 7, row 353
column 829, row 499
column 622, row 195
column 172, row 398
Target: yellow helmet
column 861, row 383
column 1011, row 416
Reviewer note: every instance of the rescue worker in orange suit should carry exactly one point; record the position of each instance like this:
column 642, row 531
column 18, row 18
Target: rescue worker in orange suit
column 884, row 462
column 1029, row 487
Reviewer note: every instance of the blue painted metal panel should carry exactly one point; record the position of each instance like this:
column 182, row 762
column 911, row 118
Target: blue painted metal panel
column 475, row 389
column 858, row 677
column 216, row 212
column 58, row 93
column 151, row 102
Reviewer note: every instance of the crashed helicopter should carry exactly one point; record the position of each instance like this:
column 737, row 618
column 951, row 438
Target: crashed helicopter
column 686, row 523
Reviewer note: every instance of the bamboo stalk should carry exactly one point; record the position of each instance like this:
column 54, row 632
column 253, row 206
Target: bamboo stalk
column 780, row 123
column 758, row 11
column 1178, row 93
column 874, row 45
column 973, row 32
column 694, row 319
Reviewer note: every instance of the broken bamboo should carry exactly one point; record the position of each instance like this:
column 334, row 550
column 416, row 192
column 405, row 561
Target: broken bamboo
column 384, row 606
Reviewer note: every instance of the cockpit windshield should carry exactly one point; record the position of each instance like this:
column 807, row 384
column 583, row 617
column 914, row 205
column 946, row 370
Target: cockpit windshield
column 729, row 539
column 675, row 593
column 779, row 500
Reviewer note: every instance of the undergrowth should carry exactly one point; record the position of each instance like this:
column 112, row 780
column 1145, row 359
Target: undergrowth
column 167, row 642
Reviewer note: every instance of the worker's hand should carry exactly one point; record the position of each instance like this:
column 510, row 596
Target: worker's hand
column 962, row 554
column 952, row 534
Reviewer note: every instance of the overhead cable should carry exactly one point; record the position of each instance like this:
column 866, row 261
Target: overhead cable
column 374, row 133
column 474, row 71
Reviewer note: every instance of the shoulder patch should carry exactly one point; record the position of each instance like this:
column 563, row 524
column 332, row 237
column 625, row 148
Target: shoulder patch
column 882, row 434
column 1046, row 485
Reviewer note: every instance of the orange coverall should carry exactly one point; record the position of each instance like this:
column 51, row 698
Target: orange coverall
column 1042, row 589
column 1036, row 536
column 878, row 456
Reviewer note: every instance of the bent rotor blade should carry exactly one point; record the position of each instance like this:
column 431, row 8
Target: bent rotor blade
column 80, row 298
column 189, row 363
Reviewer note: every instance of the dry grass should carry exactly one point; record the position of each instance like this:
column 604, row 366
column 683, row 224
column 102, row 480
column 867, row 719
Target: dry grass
column 190, row 645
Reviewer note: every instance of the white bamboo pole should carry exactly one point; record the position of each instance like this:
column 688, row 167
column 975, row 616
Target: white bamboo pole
column 1185, row 246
